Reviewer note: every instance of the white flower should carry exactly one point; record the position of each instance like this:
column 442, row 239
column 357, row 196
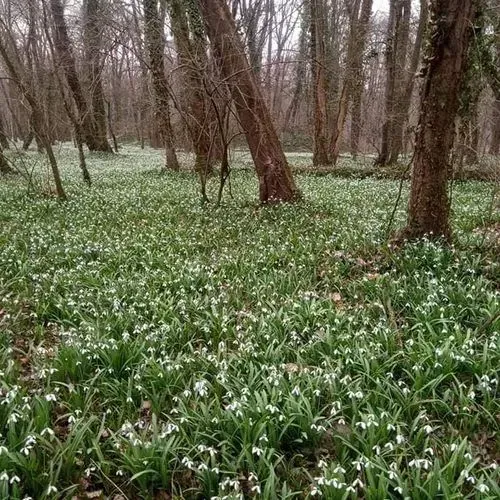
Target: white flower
column 428, row 429
column 482, row 488
column 50, row 397
column 296, row 391
column 4, row 476
column 257, row 451
column 315, row 491
column 51, row 489
column 15, row 479
column 200, row 388
column 3, row 450
column 357, row 482
column 48, row 431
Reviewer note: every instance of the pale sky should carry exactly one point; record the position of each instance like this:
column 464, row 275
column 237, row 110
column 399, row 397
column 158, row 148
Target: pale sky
column 381, row 5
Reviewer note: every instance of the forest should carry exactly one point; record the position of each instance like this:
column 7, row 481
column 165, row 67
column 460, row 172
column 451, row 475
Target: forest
column 249, row 249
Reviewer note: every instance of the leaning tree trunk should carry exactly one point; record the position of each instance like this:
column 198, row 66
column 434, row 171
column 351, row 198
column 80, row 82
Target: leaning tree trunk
column 155, row 45
column 276, row 182
column 39, row 127
column 446, row 61
column 317, row 41
column 92, row 44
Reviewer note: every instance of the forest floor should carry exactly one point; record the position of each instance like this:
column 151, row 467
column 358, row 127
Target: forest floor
column 153, row 347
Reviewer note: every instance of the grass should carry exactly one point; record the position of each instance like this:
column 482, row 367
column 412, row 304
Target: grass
column 152, row 347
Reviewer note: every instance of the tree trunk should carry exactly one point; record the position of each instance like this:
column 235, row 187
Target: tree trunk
column 4, row 141
column 92, row 44
column 400, row 77
column 495, row 140
column 276, row 181
column 64, row 51
column 352, row 84
column 192, row 57
column 316, row 30
column 358, row 75
column 405, row 99
column 446, row 61
column 4, row 164
column 37, row 121
column 155, row 45
column 390, row 83
column 300, row 76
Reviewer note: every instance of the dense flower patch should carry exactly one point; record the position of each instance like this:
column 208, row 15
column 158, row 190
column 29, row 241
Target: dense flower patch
column 150, row 345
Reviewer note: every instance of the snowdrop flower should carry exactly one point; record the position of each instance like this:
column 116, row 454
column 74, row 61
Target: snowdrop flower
column 482, row 488
column 315, row 491
column 257, row 451
column 51, row 489
column 428, row 429
column 357, row 483
column 200, row 388
column 296, row 391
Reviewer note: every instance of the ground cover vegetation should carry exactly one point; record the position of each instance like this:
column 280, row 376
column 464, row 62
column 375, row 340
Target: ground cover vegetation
column 156, row 347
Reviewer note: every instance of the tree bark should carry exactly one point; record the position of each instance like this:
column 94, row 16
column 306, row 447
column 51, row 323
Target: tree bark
column 276, row 182
column 395, row 14
column 401, row 117
column 38, row 124
column 317, row 34
column 358, row 75
column 352, row 84
column 400, row 79
column 92, row 45
column 192, row 57
column 4, row 165
column 495, row 140
column 4, row 141
column 155, row 45
column 446, row 61
column 64, row 51
column 300, row 76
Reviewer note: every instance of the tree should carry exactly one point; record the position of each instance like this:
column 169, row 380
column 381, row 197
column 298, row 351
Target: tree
column 4, row 141
column 64, row 50
column 352, row 84
column 402, row 106
column 10, row 57
column 191, row 49
column 155, row 45
column 358, row 74
column 276, row 182
column 4, row 165
column 396, row 48
column 428, row 212
column 317, row 40
column 92, row 15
